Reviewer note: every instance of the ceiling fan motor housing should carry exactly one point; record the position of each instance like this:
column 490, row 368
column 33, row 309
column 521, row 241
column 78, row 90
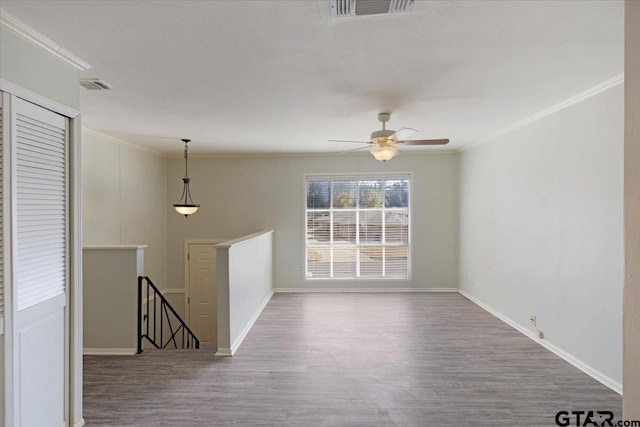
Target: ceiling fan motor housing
column 384, row 117
column 385, row 133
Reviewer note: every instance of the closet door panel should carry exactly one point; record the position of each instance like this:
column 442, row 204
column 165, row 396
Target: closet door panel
column 40, row 251
column 4, row 388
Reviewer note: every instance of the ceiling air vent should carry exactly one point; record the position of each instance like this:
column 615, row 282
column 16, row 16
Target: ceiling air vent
column 94, row 84
column 354, row 8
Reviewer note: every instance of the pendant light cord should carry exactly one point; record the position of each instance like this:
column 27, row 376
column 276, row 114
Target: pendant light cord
column 186, row 162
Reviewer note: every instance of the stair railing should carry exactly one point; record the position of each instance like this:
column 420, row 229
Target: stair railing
column 154, row 318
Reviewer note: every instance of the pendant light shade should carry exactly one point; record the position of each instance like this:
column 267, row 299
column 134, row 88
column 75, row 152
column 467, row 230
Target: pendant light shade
column 186, row 210
column 186, row 206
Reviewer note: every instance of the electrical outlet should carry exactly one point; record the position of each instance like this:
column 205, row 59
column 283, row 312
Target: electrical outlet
column 540, row 334
column 533, row 320
column 296, row 271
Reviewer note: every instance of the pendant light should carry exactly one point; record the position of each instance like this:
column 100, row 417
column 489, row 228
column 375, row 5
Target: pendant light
column 186, row 206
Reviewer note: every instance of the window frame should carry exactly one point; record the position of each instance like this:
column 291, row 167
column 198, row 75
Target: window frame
column 373, row 176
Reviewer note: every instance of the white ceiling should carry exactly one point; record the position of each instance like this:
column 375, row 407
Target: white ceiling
column 282, row 77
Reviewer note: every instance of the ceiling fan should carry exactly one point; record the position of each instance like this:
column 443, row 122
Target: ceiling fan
column 383, row 142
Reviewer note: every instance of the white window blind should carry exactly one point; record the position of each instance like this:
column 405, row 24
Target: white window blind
column 41, row 204
column 357, row 227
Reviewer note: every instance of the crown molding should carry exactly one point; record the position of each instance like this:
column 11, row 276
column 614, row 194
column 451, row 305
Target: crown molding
column 257, row 155
column 553, row 109
column 21, row 29
column 248, row 155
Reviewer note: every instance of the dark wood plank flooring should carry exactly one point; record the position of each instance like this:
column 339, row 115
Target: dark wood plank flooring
column 344, row 359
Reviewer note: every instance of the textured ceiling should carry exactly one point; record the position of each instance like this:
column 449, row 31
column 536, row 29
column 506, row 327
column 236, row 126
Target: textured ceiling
column 282, row 77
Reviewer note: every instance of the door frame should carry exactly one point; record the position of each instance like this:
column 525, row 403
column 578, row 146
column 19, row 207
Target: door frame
column 187, row 284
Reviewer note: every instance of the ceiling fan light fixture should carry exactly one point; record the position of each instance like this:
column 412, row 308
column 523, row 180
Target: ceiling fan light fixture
column 384, row 153
column 382, row 143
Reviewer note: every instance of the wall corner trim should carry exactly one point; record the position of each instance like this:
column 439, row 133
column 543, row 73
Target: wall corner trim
column 593, row 373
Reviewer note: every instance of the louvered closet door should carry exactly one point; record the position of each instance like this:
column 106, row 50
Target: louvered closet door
column 2, row 134
column 2, row 269
column 41, row 181
column 40, row 253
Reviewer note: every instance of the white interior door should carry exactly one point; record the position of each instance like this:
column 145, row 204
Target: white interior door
column 202, row 303
column 39, row 212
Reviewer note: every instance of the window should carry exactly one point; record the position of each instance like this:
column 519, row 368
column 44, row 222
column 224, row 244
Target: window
column 357, row 227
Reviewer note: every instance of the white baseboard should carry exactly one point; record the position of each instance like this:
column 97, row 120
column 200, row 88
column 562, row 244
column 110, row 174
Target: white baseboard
column 224, row 352
column 593, row 373
column 250, row 323
column 79, row 423
column 354, row 290
column 109, row 351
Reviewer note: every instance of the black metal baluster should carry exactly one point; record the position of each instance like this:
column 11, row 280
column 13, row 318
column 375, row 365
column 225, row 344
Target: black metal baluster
column 166, row 311
column 155, row 322
column 173, row 334
column 148, row 318
column 139, row 349
column 161, row 326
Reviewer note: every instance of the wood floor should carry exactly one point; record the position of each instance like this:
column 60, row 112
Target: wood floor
column 349, row 360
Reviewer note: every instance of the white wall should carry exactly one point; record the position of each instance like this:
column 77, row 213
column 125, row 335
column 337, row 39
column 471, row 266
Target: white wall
column 124, row 199
column 541, row 228
column 111, row 298
column 240, row 196
column 242, row 291
column 631, row 408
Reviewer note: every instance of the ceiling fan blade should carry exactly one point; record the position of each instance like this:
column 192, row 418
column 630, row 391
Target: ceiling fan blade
column 403, row 133
column 357, row 142
column 355, row 149
column 424, row 142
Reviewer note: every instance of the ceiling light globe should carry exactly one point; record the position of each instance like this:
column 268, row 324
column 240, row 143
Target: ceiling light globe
column 384, row 153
